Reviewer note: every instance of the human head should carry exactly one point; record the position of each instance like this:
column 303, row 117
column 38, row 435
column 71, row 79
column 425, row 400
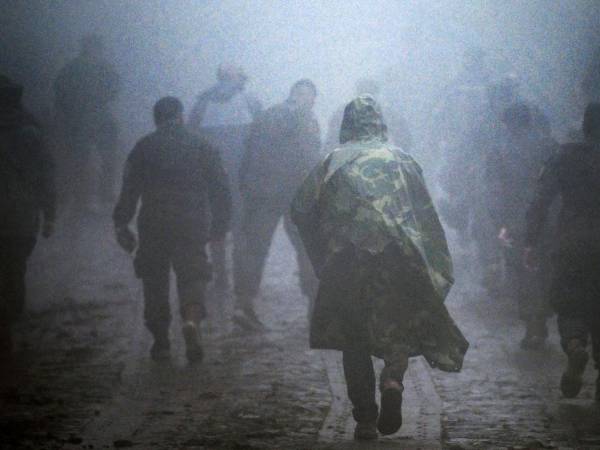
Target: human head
column 10, row 93
column 168, row 110
column 303, row 94
column 517, row 117
column 362, row 121
column 591, row 122
column 92, row 45
column 231, row 73
column 367, row 86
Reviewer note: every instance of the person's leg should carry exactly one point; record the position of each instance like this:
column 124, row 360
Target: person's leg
column 573, row 332
column 360, row 382
column 306, row 274
column 391, row 387
column 531, row 300
column 192, row 270
column 259, row 222
column 14, row 252
column 152, row 266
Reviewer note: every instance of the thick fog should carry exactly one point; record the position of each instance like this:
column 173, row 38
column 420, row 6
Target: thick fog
column 414, row 48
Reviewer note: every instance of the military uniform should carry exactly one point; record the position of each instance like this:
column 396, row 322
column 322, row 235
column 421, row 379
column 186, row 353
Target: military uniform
column 84, row 90
column 180, row 181
column 375, row 241
column 574, row 176
column 282, row 148
column 26, row 193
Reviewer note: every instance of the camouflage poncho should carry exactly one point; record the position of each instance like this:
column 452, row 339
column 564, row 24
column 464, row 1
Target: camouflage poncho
column 378, row 248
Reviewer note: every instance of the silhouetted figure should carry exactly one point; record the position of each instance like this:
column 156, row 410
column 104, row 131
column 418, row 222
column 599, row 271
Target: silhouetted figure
column 27, row 194
column 377, row 246
column 180, row 182
column 283, row 146
column 511, row 168
column 590, row 85
column 573, row 176
column 223, row 114
column 84, row 91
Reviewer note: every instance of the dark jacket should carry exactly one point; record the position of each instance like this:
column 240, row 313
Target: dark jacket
column 181, row 183
column 26, row 175
column 574, row 176
column 282, row 148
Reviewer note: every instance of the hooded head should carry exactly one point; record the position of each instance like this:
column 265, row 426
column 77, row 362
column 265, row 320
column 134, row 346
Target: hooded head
column 10, row 93
column 363, row 121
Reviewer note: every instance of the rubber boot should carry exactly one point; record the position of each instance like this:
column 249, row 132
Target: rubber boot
column 390, row 417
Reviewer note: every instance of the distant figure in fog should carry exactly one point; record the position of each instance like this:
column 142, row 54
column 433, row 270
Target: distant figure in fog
column 27, row 195
column 84, row 91
column 180, row 182
column 398, row 127
column 223, row 115
column 283, row 146
column 380, row 253
column 510, row 170
column 590, row 85
column 573, row 175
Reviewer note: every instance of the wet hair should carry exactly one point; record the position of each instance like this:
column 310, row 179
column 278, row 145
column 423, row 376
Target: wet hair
column 304, row 82
column 167, row 108
column 10, row 93
column 591, row 120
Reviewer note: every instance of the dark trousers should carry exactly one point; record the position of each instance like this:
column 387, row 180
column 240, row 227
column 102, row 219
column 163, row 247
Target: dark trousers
column 14, row 252
column 528, row 289
column 575, row 295
column 259, row 222
column 155, row 257
column 360, row 380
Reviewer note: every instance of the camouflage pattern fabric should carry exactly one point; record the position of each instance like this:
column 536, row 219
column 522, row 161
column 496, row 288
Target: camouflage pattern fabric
column 374, row 238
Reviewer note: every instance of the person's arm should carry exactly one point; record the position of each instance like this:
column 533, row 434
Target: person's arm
column 131, row 189
column 219, row 194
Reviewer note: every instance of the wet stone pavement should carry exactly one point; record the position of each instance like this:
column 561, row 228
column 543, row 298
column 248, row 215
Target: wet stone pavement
column 81, row 377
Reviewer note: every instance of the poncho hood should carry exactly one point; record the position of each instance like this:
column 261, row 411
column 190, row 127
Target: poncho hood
column 363, row 121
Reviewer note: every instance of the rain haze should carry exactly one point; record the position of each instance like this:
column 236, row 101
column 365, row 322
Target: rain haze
column 483, row 96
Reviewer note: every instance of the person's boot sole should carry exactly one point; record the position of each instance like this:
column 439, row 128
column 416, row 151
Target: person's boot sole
column 390, row 418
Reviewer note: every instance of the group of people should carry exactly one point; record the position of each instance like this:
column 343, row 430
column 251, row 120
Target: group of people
column 372, row 254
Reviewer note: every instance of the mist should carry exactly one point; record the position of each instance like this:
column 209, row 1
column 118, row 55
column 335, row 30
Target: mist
column 413, row 48
column 84, row 368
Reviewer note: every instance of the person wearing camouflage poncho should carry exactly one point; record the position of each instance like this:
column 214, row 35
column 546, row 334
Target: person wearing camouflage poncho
column 375, row 241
